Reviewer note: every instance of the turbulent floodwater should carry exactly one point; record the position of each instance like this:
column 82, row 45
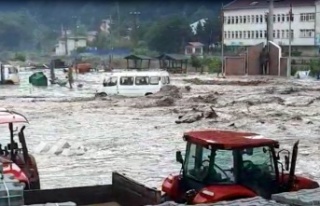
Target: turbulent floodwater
column 142, row 142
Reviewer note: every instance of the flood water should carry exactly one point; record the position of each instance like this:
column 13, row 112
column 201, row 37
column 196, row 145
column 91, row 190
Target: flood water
column 115, row 136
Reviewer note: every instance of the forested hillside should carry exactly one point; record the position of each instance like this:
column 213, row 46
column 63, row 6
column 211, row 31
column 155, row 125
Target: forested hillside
column 36, row 25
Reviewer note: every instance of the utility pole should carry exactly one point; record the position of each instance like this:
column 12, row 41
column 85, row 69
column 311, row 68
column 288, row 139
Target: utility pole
column 65, row 35
column 118, row 16
column 222, row 41
column 111, row 41
column 270, row 21
column 135, row 25
column 290, row 41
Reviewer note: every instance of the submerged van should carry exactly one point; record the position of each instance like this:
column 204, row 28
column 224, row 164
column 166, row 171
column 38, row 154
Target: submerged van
column 133, row 83
column 9, row 74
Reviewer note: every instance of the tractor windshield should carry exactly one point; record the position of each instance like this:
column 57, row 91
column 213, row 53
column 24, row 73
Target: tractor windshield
column 209, row 166
column 257, row 165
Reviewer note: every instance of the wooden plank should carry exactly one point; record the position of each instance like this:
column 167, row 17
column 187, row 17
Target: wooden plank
column 78, row 195
column 131, row 193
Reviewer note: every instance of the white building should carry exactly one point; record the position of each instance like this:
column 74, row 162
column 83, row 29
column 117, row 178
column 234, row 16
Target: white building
column 245, row 23
column 72, row 44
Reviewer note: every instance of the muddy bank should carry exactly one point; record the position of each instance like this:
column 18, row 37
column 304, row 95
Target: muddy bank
column 224, row 81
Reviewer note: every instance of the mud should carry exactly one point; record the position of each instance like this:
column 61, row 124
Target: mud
column 114, row 134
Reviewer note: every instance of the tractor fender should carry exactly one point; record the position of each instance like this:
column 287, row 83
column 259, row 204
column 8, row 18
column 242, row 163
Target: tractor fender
column 216, row 193
column 170, row 187
column 301, row 183
column 15, row 170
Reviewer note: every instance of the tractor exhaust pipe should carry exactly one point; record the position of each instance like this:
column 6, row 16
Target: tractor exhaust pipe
column 293, row 164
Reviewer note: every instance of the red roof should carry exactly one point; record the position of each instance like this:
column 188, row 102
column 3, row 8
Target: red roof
column 248, row 4
column 7, row 116
column 228, row 139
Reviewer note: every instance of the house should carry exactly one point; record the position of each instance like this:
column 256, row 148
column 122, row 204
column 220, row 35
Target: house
column 67, row 46
column 245, row 22
column 194, row 25
column 91, row 36
column 194, row 48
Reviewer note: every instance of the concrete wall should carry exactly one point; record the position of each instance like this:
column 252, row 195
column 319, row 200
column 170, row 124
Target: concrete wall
column 235, row 65
column 253, row 61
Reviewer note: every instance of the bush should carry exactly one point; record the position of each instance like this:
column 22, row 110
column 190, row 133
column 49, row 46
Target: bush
column 213, row 64
column 19, row 57
column 315, row 67
column 196, row 62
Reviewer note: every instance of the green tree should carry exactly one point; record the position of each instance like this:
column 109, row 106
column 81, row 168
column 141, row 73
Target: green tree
column 169, row 34
column 196, row 62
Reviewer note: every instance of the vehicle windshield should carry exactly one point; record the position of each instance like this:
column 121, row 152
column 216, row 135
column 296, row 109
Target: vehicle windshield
column 209, row 166
column 257, row 163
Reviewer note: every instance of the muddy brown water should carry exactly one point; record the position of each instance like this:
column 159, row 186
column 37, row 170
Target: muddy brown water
column 142, row 142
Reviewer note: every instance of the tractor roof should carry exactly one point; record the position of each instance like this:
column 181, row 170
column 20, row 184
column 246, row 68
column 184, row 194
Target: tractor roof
column 228, row 139
column 7, row 116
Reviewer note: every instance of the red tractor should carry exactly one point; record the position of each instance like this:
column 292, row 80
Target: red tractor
column 226, row 165
column 14, row 156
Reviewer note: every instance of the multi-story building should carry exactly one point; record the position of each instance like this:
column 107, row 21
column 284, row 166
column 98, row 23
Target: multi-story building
column 245, row 22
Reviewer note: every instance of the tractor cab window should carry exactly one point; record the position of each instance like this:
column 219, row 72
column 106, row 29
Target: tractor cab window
column 209, row 166
column 257, row 163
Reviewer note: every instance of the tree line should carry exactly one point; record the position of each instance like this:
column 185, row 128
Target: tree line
column 159, row 27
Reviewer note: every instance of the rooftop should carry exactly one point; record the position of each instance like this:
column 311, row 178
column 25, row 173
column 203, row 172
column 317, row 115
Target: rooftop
column 7, row 116
column 195, row 44
column 228, row 139
column 258, row 4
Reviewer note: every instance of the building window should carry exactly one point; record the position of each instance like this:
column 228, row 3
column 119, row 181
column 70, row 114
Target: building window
column 307, row 33
column 292, row 34
column 283, row 18
column 237, row 20
column 240, row 34
column 232, row 35
column 279, row 18
column 228, row 35
column 236, row 35
column 252, row 19
column 274, row 18
column 287, row 34
column 245, row 34
column 257, row 34
column 240, row 19
column 248, row 17
column 257, row 18
column 244, row 19
column 265, row 34
column 261, row 18
column 232, row 20
column 304, row 17
column 274, row 34
column 249, row 36
column 278, row 34
column 252, row 34
column 225, row 35
column 283, row 34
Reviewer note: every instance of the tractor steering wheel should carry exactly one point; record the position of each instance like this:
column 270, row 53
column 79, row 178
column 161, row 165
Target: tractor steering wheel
column 219, row 168
column 250, row 168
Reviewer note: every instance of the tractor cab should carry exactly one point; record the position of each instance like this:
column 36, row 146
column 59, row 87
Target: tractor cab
column 14, row 155
column 226, row 165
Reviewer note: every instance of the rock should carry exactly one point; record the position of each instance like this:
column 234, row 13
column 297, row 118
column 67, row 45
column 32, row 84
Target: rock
column 187, row 88
column 210, row 114
column 165, row 101
column 59, row 147
column 190, row 117
column 168, row 90
column 42, row 148
column 210, row 98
